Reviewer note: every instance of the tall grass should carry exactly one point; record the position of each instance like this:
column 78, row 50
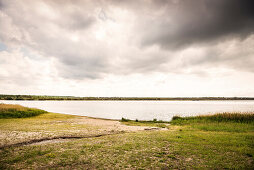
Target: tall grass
column 220, row 117
column 18, row 111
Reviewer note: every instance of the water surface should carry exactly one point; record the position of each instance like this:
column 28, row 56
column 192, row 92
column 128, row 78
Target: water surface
column 141, row 110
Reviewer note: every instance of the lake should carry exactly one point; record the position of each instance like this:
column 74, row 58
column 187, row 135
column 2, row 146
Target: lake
column 141, row 110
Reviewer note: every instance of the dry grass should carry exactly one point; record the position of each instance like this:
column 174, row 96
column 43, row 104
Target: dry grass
column 18, row 111
column 17, row 107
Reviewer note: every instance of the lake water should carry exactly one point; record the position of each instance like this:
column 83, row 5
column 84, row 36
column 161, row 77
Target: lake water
column 141, row 110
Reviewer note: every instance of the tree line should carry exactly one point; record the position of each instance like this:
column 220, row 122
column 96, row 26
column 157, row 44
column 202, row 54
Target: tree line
column 38, row 97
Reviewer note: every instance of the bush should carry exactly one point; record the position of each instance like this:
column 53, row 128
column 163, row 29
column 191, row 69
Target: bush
column 125, row 120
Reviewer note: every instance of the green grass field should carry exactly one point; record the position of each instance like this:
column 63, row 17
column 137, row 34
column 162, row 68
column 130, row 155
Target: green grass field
column 224, row 142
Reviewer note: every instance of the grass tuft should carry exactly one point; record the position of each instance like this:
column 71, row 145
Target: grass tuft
column 143, row 121
column 125, row 120
column 154, row 122
column 18, row 111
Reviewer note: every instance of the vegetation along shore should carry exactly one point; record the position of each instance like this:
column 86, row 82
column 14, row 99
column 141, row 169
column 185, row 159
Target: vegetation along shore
column 37, row 97
column 52, row 141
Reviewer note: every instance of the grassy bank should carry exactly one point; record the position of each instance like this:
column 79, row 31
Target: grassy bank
column 220, row 117
column 229, row 122
column 18, row 111
column 199, row 142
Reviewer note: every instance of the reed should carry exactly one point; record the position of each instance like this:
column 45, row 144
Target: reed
column 220, row 117
column 18, row 111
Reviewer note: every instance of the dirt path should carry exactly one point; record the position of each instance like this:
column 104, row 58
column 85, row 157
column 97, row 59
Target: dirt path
column 110, row 125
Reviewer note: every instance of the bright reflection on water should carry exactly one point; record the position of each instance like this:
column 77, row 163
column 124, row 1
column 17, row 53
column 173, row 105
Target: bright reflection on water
column 141, row 110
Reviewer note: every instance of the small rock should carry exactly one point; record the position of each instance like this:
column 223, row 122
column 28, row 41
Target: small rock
column 188, row 159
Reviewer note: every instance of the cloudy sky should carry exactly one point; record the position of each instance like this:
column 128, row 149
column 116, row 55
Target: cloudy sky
column 127, row 48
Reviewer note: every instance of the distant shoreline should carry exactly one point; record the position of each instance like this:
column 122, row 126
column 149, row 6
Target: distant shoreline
column 37, row 98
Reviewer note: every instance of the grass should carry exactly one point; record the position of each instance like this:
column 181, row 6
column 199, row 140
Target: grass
column 154, row 123
column 189, row 143
column 230, row 122
column 18, row 111
column 220, row 117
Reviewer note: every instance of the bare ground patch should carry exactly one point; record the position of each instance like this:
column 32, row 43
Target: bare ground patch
column 59, row 128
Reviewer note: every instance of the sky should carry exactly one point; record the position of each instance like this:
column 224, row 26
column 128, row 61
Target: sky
column 139, row 48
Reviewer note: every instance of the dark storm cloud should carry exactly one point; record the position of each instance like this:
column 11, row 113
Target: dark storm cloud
column 89, row 39
column 187, row 22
